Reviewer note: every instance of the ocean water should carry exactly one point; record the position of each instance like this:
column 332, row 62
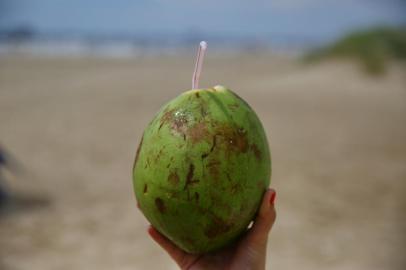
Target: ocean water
column 127, row 47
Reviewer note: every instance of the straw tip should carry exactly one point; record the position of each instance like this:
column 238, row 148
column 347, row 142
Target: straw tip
column 203, row 45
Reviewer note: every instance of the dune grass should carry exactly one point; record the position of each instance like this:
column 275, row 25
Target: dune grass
column 372, row 48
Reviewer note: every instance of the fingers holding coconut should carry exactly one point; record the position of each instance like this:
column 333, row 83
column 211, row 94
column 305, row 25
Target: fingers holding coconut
column 265, row 218
column 177, row 254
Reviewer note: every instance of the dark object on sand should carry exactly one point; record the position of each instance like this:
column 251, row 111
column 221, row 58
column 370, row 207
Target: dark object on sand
column 12, row 165
column 3, row 196
column 3, row 163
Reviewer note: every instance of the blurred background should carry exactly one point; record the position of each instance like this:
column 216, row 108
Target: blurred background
column 79, row 81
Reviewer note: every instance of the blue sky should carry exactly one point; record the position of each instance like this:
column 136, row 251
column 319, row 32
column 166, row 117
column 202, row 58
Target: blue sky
column 308, row 18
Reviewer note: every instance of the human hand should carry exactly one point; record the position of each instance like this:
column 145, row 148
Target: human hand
column 249, row 252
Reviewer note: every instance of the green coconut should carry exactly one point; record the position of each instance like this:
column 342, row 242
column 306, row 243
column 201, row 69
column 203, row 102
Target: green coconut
column 202, row 168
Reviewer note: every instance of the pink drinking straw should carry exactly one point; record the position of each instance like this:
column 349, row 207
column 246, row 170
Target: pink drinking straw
column 199, row 63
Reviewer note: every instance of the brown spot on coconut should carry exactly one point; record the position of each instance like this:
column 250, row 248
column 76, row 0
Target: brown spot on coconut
column 159, row 203
column 173, row 178
column 198, row 132
column 256, row 151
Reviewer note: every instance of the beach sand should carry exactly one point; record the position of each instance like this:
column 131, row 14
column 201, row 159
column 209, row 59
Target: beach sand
column 337, row 136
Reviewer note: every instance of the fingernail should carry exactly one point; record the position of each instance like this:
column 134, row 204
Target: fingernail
column 273, row 196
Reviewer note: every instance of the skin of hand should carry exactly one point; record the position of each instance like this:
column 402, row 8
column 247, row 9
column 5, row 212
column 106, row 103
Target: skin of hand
column 249, row 252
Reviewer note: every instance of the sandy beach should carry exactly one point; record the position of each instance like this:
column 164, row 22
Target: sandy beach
column 337, row 136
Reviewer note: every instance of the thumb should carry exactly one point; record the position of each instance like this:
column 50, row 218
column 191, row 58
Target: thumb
column 265, row 219
column 254, row 244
